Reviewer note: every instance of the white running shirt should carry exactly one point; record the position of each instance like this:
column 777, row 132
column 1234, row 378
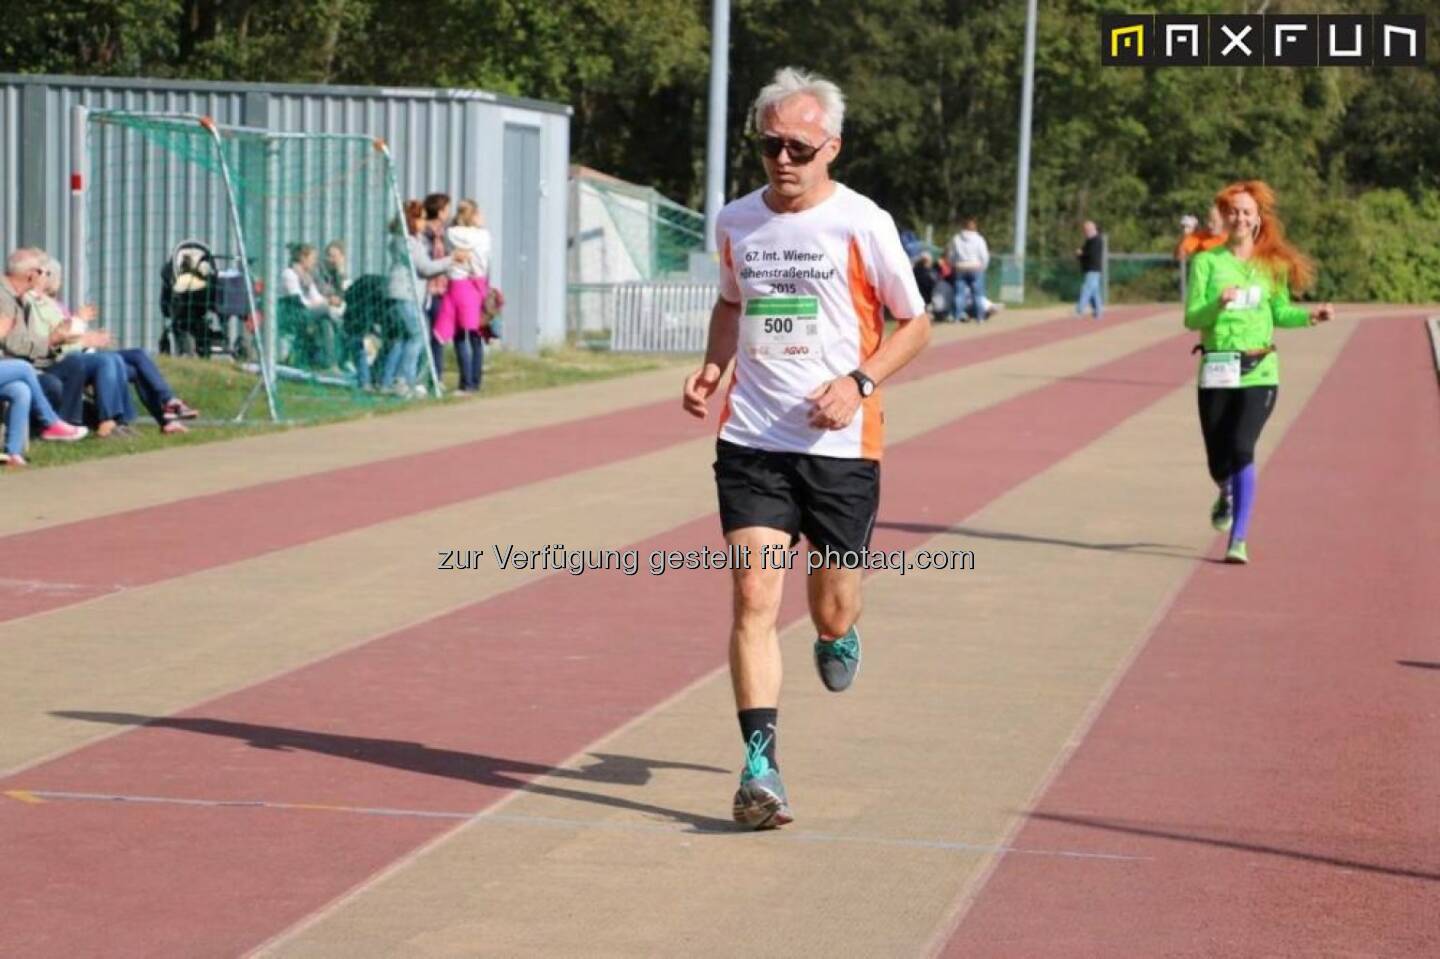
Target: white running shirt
column 810, row 287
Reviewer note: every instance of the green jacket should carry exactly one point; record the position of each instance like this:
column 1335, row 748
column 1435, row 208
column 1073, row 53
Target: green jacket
column 1245, row 329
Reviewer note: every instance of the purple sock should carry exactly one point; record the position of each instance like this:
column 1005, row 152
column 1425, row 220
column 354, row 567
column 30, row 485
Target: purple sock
column 1242, row 488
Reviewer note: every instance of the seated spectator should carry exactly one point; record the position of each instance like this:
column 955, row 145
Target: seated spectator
column 366, row 324
column 115, row 409
column 332, row 276
column 306, row 314
column 40, row 339
column 21, row 395
column 136, row 365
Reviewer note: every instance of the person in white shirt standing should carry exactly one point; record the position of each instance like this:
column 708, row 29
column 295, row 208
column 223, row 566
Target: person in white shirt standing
column 808, row 268
column 460, row 312
column 970, row 256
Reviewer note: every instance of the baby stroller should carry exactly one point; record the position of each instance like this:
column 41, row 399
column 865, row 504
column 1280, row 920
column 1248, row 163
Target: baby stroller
column 191, row 291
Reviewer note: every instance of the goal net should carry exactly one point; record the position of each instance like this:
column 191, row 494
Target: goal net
column 272, row 266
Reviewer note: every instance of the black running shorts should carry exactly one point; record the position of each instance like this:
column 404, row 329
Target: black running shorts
column 831, row 500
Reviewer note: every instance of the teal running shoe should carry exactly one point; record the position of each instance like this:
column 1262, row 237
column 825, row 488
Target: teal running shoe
column 1222, row 513
column 1236, row 553
column 838, row 661
column 760, row 802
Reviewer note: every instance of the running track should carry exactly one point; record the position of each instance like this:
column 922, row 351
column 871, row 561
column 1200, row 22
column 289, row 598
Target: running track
column 1258, row 779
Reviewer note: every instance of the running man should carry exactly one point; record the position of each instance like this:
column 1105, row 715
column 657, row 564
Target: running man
column 807, row 268
column 1238, row 294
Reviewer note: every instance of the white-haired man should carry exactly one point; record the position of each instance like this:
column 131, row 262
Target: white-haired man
column 25, row 271
column 808, row 268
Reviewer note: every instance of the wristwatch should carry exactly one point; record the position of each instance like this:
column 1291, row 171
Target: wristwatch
column 866, row 384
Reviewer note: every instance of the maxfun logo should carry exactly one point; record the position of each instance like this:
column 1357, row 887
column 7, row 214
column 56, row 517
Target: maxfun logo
column 1272, row 40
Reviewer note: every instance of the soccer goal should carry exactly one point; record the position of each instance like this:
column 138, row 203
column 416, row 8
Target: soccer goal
column 283, row 254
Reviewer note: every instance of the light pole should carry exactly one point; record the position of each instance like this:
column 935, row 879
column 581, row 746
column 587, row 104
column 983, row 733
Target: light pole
column 715, row 139
column 1012, row 282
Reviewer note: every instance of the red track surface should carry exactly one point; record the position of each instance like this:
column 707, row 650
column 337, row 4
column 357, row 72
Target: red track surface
column 1275, row 749
column 143, row 546
column 448, row 715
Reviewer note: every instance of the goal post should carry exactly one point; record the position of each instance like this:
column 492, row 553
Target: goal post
column 283, row 252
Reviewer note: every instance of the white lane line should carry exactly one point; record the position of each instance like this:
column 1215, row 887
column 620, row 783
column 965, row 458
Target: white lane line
column 44, row 795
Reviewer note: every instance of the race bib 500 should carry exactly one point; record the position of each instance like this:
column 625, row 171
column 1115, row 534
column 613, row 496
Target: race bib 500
column 782, row 328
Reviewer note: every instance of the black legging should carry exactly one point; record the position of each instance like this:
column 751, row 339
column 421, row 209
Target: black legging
column 1231, row 421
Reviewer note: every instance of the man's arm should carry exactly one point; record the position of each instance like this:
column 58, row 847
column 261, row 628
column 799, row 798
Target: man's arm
column 20, row 342
column 837, row 400
column 910, row 337
column 723, row 340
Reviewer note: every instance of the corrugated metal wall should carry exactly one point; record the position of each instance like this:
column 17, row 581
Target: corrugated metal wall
column 441, row 140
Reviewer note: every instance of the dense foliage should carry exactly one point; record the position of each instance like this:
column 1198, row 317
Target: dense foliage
column 933, row 85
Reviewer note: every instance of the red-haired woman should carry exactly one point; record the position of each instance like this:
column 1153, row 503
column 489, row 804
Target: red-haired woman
column 1238, row 294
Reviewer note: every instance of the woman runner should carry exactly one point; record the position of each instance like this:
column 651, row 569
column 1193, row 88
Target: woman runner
column 1238, row 294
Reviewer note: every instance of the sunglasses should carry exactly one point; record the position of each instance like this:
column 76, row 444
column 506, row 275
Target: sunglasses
column 799, row 153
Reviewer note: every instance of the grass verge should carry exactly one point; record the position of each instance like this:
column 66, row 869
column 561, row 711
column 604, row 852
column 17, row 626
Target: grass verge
column 218, row 389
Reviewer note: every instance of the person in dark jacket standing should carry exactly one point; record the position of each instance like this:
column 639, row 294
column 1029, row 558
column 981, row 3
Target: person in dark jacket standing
column 1091, row 256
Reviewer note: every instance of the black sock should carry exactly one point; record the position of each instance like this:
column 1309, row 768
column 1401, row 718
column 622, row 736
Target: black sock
column 763, row 721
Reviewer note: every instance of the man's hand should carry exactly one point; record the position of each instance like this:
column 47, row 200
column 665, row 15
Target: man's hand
column 835, row 404
column 1323, row 313
column 61, row 333
column 699, row 387
column 97, row 339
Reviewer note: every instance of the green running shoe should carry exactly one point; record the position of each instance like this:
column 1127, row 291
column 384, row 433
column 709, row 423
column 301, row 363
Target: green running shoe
column 838, row 661
column 1236, row 553
column 760, row 802
column 1221, row 513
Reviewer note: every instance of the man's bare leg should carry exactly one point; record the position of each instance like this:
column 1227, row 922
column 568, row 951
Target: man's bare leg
column 755, row 666
column 834, row 595
column 755, row 675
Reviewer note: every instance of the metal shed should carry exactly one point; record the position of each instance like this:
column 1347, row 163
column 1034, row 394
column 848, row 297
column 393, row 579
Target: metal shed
column 509, row 154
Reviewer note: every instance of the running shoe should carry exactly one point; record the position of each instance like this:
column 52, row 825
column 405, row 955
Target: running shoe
column 838, row 661
column 62, row 432
column 1221, row 512
column 760, row 802
column 1236, row 553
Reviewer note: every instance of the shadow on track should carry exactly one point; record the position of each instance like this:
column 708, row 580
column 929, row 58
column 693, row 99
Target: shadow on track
column 492, row 771
column 1153, row 832
column 1167, row 550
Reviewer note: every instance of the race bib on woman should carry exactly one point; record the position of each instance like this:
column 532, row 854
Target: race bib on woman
column 1220, row 371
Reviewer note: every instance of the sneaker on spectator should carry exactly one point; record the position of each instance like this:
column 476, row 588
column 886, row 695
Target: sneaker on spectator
column 174, row 426
column 176, row 409
column 62, row 432
column 420, row 392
